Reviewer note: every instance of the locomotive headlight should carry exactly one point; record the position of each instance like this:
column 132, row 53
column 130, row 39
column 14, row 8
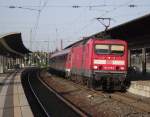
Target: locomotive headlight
column 95, row 67
column 122, row 68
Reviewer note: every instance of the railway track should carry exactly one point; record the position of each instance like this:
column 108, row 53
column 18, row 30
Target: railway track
column 132, row 101
column 32, row 100
column 117, row 96
column 37, row 98
column 51, row 103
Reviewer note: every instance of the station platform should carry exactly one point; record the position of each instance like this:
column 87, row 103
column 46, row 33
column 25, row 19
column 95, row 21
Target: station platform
column 140, row 85
column 13, row 102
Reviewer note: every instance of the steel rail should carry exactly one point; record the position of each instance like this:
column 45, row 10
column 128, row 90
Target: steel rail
column 81, row 86
column 118, row 97
column 46, row 113
column 124, row 98
column 80, row 112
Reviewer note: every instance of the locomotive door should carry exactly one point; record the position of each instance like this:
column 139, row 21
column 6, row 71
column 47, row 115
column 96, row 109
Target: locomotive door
column 69, row 63
column 85, row 60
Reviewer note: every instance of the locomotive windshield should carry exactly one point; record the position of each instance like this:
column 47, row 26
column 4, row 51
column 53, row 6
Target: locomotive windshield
column 109, row 49
column 117, row 49
column 102, row 49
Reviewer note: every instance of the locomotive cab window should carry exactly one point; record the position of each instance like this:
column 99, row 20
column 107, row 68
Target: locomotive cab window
column 102, row 49
column 117, row 49
column 109, row 49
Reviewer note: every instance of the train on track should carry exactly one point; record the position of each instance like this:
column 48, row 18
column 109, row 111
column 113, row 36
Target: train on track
column 98, row 63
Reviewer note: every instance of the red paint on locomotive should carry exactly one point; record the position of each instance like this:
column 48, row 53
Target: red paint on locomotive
column 95, row 59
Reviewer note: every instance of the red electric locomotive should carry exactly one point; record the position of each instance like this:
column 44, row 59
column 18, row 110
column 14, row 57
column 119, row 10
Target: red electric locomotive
column 100, row 63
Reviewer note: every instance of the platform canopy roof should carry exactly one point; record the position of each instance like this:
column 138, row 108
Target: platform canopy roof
column 11, row 45
column 135, row 32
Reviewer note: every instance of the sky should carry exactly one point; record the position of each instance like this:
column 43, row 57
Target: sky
column 44, row 23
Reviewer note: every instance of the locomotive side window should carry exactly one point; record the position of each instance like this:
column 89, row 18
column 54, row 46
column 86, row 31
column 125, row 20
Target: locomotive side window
column 117, row 49
column 102, row 49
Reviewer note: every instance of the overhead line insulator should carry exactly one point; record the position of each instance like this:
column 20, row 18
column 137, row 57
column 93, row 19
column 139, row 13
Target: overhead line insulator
column 75, row 6
column 132, row 5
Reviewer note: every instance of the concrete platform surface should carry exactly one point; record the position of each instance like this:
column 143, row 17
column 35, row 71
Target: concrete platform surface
column 140, row 87
column 13, row 102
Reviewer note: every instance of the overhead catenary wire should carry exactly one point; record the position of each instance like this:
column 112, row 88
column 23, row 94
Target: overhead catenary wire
column 80, row 6
column 106, row 12
column 115, row 8
column 38, row 18
column 129, row 3
column 86, row 24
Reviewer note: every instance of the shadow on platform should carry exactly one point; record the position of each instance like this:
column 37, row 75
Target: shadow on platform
column 136, row 76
